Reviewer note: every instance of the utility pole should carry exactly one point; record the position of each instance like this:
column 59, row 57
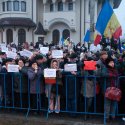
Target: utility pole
column 92, row 16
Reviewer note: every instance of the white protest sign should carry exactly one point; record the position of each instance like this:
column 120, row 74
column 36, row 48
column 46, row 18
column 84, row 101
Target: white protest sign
column 44, row 50
column 70, row 67
column 93, row 48
column 4, row 49
column 13, row 68
column 57, row 54
column 26, row 53
column 99, row 47
column 2, row 45
column 13, row 50
column 21, row 53
column 49, row 72
column 11, row 54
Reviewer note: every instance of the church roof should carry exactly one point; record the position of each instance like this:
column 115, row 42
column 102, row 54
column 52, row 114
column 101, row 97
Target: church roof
column 16, row 21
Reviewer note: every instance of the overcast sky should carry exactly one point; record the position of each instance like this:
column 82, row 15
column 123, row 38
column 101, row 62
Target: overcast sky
column 120, row 12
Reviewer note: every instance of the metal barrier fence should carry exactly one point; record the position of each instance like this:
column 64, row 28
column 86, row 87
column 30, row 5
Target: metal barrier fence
column 15, row 93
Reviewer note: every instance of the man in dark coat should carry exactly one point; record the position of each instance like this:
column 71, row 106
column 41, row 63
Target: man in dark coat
column 71, row 85
column 6, row 82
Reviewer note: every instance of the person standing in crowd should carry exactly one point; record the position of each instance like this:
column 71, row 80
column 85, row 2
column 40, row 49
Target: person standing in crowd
column 21, row 85
column 111, row 73
column 54, row 87
column 88, row 87
column 2, row 58
column 7, row 82
column 36, row 85
column 41, row 61
column 2, row 55
column 101, row 64
column 72, row 85
column 25, row 45
column 121, row 69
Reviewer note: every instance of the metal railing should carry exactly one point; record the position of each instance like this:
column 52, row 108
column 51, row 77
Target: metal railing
column 73, row 95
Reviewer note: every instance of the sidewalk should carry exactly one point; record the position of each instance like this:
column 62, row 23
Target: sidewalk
column 54, row 119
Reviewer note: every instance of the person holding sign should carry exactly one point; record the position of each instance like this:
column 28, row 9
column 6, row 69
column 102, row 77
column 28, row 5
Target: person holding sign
column 21, row 84
column 52, row 89
column 72, row 85
column 88, row 86
column 36, row 85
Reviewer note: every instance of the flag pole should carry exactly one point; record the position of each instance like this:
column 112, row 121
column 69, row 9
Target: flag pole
column 92, row 15
column 120, row 50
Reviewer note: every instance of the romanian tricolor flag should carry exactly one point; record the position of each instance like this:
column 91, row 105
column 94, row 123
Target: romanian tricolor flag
column 97, row 38
column 107, row 23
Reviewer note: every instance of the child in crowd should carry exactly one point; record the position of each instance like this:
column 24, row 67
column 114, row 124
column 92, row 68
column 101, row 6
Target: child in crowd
column 54, row 87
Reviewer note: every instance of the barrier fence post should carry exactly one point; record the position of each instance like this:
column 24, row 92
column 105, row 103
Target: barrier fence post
column 4, row 90
column 66, row 94
column 12, row 91
column 104, row 101
column 95, row 82
column 21, row 91
column 28, row 109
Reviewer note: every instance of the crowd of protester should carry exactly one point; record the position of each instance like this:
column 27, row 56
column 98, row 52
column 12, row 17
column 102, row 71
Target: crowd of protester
column 110, row 63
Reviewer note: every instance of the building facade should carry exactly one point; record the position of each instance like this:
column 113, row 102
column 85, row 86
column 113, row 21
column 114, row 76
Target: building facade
column 30, row 20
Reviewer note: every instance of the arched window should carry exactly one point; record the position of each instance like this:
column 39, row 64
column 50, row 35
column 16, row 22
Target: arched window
column 66, row 34
column 21, row 36
column 60, row 6
column 56, row 36
column 9, row 35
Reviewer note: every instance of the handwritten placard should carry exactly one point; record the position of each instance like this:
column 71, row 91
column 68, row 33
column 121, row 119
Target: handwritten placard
column 49, row 72
column 90, row 65
column 44, row 50
column 11, row 54
column 70, row 67
column 99, row 47
column 57, row 54
column 93, row 48
column 13, row 50
column 26, row 53
column 13, row 68
column 2, row 44
column 4, row 49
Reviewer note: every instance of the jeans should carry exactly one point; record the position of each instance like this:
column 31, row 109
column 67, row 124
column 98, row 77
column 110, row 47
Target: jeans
column 110, row 107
